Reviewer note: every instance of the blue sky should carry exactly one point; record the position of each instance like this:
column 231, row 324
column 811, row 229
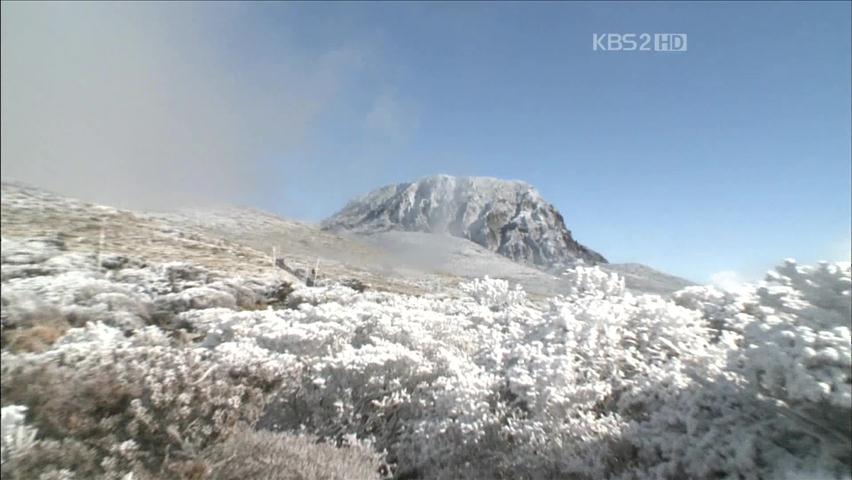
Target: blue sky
column 730, row 156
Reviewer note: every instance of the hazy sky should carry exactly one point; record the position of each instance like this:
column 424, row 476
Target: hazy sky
column 730, row 156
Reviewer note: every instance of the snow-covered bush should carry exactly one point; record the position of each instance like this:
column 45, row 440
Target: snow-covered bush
column 15, row 435
column 596, row 365
column 251, row 454
column 46, row 286
column 723, row 310
column 594, row 281
column 798, row 350
column 599, row 383
column 790, row 357
column 104, row 389
column 494, row 293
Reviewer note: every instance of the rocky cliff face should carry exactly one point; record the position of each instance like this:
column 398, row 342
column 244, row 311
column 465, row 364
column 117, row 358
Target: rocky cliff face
column 507, row 217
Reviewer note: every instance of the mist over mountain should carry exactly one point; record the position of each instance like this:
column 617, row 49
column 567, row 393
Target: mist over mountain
column 505, row 216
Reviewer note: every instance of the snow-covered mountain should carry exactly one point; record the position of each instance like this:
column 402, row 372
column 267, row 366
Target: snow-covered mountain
column 507, row 217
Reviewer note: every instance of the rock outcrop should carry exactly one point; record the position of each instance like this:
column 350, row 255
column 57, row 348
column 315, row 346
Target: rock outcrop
column 507, row 217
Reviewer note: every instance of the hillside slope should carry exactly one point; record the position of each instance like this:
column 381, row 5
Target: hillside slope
column 240, row 241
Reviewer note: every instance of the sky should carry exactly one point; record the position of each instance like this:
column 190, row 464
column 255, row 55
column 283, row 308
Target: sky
column 714, row 164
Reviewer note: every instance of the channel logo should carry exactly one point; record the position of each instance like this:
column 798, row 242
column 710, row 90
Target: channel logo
column 639, row 42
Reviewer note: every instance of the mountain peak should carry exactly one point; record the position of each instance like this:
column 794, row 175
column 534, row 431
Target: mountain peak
column 509, row 217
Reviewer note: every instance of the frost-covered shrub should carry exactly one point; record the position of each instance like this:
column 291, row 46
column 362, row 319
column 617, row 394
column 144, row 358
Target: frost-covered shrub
column 325, row 294
column 243, row 454
column 790, row 360
column 723, row 310
column 798, row 350
column 195, row 298
column 103, row 389
column 41, row 278
column 29, row 256
column 594, row 281
column 15, row 435
column 494, row 293
column 25, row 457
column 277, row 456
column 599, row 383
column 441, row 384
column 596, row 364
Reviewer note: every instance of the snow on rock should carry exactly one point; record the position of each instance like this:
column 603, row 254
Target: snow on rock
column 507, row 217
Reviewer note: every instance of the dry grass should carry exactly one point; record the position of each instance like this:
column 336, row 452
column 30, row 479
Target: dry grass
column 31, row 330
column 29, row 212
column 34, row 339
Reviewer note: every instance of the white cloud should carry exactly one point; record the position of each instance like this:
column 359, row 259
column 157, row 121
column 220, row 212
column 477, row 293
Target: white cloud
column 727, row 280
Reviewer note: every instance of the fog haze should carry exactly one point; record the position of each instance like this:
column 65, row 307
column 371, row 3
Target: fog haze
column 142, row 106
